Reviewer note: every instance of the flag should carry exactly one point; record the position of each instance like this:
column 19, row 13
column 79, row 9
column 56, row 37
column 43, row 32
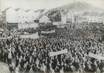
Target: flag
column 58, row 52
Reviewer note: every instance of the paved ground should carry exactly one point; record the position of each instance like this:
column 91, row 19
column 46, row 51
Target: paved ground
column 4, row 68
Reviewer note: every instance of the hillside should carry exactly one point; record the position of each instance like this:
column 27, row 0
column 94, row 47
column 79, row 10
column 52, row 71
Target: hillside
column 80, row 8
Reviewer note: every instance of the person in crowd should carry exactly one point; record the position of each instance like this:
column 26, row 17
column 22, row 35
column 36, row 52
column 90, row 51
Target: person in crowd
column 32, row 55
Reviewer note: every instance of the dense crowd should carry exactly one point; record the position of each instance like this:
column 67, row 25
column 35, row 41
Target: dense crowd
column 25, row 55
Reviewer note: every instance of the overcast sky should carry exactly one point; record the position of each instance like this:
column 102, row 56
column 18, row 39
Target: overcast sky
column 38, row 4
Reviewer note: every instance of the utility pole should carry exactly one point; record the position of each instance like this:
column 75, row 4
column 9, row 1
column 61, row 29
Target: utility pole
column 4, row 18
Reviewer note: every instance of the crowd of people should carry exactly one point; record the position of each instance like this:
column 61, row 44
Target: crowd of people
column 26, row 55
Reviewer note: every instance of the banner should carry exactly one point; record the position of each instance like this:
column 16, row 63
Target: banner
column 99, row 57
column 27, row 25
column 6, row 37
column 31, row 36
column 47, row 32
column 58, row 52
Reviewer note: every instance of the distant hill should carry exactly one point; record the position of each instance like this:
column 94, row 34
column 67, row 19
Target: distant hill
column 77, row 6
column 80, row 8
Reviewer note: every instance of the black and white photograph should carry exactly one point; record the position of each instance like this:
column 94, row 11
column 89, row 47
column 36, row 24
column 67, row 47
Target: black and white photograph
column 51, row 36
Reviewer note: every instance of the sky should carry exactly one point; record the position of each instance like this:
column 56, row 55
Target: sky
column 40, row 4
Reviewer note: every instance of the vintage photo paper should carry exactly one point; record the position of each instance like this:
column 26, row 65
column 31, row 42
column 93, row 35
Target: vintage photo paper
column 51, row 36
